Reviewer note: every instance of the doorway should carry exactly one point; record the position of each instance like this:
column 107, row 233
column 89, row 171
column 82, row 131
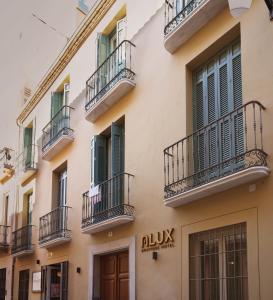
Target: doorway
column 114, row 276
column 2, row 284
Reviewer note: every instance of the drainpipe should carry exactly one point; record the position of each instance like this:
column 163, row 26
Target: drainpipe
column 12, row 277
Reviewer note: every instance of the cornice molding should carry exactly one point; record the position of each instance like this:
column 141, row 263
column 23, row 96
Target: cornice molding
column 71, row 49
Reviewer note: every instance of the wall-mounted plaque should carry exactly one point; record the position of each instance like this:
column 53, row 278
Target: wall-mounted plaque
column 36, row 281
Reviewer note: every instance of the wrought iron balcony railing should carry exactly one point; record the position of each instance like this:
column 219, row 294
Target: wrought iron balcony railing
column 108, row 200
column 117, row 66
column 4, row 236
column 54, row 225
column 22, row 239
column 58, row 126
column 177, row 11
column 228, row 145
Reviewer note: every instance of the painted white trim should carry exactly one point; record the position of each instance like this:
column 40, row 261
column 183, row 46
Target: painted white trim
column 126, row 243
column 219, row 185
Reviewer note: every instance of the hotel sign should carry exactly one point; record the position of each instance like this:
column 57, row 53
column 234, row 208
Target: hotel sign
column 156, row 241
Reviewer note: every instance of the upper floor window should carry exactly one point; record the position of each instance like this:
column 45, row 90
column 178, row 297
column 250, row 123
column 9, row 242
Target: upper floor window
column 59, row 98
column 107, row 154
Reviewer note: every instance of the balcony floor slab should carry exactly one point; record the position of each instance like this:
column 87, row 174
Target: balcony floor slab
column 54, row 242
column 242, row 177
column 57, row 146
column 23, row 253
column 107, row 224
column 119, row 90
column 197, row 19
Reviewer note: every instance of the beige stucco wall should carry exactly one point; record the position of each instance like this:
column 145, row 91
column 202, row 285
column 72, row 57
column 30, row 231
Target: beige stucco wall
column 156, row 116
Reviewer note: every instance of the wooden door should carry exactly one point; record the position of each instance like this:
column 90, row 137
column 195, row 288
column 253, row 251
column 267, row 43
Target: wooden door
column 115, row 276
column 2, row 284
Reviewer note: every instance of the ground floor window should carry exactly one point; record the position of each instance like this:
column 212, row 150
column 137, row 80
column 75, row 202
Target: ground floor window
column 218, row 264
column 2, row 284
column 23, row 285
column 55, row 281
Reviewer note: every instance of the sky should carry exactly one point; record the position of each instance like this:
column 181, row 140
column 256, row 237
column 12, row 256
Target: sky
column 33, row 33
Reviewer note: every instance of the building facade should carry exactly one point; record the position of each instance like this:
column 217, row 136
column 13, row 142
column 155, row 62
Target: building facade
column 147, row 158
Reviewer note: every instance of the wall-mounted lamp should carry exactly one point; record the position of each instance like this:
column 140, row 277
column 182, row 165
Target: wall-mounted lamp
column 238, row 7
column 78, row 270
column 155, row 255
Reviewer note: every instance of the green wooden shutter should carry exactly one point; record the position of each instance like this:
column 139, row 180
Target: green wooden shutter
column 103, row 48
column 56, row 102
column 238, row 100
column 28, row 146
column 117, row 137
column 199, row 121
column 99, row 159
column 217, row 90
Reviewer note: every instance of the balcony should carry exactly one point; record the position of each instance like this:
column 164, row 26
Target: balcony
column 53, row 229
column 224, row 154
column 28, row 162
column 6, row 164
column 112, row 80
column 57, row 134
column 183, row 21
column 22, row 241
column 4, row 237
column 107, row 205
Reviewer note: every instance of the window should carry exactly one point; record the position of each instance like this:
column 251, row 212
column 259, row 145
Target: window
column 28, row 147
column 59, row 186
column 107, row 154
column 27, row 209
column 59, row 98
column 110, row 43
column 218, row 264
column 5, row 210
column 107, row 171
column 62, row 199
column 55, row 281
column 23, row 285
column 217, row 91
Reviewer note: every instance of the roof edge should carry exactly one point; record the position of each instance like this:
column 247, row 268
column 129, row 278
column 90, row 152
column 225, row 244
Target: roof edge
column 76, row 41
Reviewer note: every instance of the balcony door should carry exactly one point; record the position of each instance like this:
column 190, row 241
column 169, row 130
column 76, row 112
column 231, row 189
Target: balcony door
column 107, row 44
column 58, row 115
column 107, row 164
column 217, row 91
